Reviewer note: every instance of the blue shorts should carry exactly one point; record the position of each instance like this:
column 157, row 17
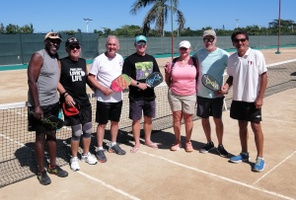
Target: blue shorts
column 108, row 111
column 245, row 111
column 209, row 107
column 139, row 106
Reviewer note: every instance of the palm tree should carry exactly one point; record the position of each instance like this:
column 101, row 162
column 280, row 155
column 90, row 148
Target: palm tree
column 158, row 14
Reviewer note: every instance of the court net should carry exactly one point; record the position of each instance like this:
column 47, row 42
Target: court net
column 17, row 158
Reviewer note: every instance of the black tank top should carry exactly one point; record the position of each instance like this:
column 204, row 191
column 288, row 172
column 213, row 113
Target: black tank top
column 73, row 78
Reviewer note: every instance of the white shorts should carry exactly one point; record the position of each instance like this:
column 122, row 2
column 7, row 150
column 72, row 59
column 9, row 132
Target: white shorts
column 184, row 103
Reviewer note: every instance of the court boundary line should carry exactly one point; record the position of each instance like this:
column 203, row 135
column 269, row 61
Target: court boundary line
column 220, row 177
column 276, row 166
column 108, row 185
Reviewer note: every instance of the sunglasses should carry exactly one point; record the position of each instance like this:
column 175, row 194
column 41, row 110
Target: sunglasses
column 239, row 40
column 74, row 47
column 208, row 39
column 141, row 44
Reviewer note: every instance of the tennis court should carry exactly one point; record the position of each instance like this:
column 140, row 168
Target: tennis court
column 162, row 174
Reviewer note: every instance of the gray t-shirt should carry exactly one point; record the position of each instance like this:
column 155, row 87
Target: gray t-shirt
column 47, row 82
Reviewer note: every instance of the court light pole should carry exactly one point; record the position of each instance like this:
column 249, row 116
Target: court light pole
column 172, row 30
column 87, row 20
column 237, row 20
column 279, row 28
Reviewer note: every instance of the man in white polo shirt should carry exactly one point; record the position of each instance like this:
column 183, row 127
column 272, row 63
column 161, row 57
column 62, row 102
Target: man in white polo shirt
column 248, row 74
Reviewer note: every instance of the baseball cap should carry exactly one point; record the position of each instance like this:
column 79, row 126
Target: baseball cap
column 53, row 36
column 72, row 41
column 209, row 32
column 140, row 38
column 185, row 44
column 70, row 111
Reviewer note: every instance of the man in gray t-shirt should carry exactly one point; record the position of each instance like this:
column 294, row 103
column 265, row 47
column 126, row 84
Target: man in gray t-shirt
column 43, row 78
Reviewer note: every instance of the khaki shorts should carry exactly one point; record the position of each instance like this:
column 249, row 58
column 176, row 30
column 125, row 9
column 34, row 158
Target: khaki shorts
column 184, row 103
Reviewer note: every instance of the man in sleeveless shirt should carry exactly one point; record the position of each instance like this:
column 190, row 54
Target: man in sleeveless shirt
column 43, row 77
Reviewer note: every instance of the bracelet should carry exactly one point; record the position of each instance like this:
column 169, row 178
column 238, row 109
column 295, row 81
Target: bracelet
column 66, row 95
column 63, row 94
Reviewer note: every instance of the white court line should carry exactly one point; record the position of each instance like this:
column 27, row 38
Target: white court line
column 279, row 63
column 274, row 167
column 108, row 186
column 220, row 177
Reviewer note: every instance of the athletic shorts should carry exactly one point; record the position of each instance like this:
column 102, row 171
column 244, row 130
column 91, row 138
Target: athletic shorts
column 84, row 116
column 184, row 103
column 108, row 111
column 139, row 106
column 245, row 111
column 210, row 107
column 35, row 124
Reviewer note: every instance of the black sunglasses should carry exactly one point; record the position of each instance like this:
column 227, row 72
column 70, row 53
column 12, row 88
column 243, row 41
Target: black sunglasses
column 208, row 39
column 74, row 47
column 239, row 40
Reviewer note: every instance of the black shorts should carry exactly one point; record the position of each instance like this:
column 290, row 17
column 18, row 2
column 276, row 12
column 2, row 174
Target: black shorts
column 108, row 111
column 209, row 107
column 84, row 116
column 35, row 124
column 245, row 111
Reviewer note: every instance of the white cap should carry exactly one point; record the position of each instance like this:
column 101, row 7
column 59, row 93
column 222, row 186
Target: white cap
column 185, row 44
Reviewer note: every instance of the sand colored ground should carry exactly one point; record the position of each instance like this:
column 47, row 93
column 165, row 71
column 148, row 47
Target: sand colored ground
column 14, row 87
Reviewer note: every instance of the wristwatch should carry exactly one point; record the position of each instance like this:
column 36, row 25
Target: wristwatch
column 137, row 84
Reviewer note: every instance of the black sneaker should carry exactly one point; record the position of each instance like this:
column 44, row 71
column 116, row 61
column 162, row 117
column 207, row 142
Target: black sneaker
column 116, row 149
column 223, row 153
column 101, row 156
column 43, row 178
column 57, row 171
column 208, row 147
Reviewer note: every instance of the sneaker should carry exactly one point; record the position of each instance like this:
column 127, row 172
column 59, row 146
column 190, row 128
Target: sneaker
column 101, row 156
column 74, row 165
column 116, row 149
column 188, row 147
column 43, row 178
column 57, row 171
column 208, row 147
column 241, row 157
column 259, row 165
column 176, row 146
column 89, row 158
column 223, row 153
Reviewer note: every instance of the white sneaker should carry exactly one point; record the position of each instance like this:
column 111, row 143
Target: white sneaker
column 74, row 164
column 89, row 158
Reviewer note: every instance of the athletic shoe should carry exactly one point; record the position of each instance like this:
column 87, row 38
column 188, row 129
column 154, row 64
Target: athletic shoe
column 259, row 165
column 208, row 147
column 89, row 158
column 74, row 165
column 223, row 153
column 241, row 157
column 176, row 146
column 43, row 178
column 57, row 171
column 116, row 149
column 101, row 156
column 188, row 147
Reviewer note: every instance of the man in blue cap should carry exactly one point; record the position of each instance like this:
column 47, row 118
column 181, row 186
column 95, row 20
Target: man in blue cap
column 139, row 66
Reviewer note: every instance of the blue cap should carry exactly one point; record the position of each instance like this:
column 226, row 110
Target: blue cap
column 140, row 38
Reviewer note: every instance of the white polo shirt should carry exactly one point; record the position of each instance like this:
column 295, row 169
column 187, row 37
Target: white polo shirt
column 246, row 72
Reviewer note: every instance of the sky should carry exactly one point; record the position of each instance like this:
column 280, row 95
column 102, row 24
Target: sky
column 63, row 15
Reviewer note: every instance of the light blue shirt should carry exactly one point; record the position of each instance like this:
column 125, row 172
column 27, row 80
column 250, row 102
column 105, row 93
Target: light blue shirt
column 212, row 63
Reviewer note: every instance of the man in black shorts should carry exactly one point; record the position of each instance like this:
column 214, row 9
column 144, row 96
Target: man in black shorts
column 43, row 77
column 72, row 88
column 105, row 68
column 141, row 98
